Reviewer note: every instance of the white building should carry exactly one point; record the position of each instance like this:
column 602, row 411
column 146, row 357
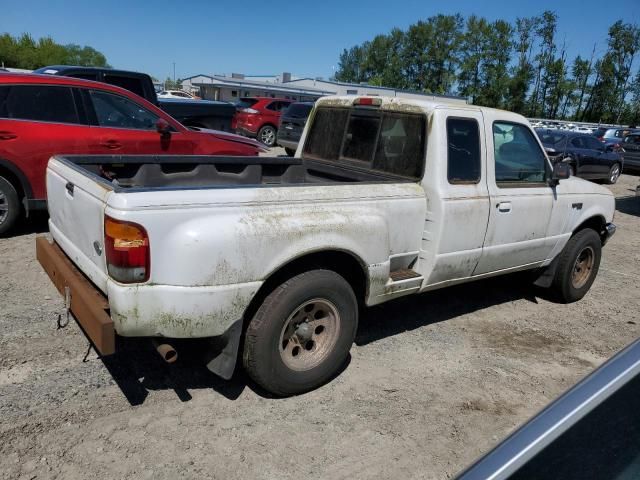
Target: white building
column 230, row 88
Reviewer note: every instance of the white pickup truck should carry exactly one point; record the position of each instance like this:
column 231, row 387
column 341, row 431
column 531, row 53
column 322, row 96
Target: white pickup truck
column 274, row 257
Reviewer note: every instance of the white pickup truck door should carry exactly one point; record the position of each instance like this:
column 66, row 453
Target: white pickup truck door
column 521, row 199
column 458, row 201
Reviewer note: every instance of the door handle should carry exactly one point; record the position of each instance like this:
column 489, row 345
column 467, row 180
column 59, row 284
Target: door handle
column 504, row 207
column 5, row 135
column 110, row 144
column 69, row 186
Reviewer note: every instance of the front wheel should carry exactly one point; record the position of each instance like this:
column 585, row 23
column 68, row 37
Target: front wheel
column 614, row 173
column 9, row 206
column 267, row 135
column 577, row 266
column 302, row 333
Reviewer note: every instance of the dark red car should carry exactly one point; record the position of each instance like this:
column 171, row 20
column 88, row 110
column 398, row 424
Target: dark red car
column 43, row 115
column 259, row 117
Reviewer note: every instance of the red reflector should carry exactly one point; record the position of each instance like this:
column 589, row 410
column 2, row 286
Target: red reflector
column 126, row 251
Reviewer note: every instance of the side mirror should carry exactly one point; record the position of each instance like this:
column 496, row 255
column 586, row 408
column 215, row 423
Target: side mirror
column 163, row 127
column 560, row 172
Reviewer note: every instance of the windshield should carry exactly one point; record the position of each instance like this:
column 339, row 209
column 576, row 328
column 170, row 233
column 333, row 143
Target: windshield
column 549, row 137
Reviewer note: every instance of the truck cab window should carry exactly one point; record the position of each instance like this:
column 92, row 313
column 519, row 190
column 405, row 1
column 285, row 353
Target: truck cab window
column 378, row 140
column 518, row 157
column 463, row 151
column 120, row 112
column 360, row 139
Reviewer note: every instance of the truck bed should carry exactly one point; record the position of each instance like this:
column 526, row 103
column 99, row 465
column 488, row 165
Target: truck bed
column 152, row 172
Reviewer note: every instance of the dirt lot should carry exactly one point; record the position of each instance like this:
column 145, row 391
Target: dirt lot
column 433, row 382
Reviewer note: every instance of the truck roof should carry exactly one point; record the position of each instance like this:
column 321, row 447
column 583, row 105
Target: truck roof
column 415, row 105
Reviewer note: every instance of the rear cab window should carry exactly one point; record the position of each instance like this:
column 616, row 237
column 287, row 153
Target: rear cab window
column 369, row 138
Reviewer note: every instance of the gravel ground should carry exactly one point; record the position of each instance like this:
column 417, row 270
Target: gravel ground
column 433, row 381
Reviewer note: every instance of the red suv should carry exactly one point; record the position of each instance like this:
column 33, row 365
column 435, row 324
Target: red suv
column 259, row 118
column 43, row 115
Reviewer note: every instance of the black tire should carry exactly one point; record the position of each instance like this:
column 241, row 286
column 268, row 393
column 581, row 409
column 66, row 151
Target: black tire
column 9, row 206
column 614, row 174
column 267, row 135
column 290, row 151
column 571, row 283
column 264, row 356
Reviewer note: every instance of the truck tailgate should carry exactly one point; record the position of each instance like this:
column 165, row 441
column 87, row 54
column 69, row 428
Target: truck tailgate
column 76, row 210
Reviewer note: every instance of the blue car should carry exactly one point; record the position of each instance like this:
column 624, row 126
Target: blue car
column 586, row 155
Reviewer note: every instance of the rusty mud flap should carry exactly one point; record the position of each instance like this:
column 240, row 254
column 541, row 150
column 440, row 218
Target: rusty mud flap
column 87, row 304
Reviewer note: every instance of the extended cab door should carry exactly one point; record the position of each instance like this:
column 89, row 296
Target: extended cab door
column 122, row 126
column 521, row 199
column 457, row 197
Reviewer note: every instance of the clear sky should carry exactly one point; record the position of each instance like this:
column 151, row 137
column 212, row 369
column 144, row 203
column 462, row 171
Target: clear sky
column 269, row 37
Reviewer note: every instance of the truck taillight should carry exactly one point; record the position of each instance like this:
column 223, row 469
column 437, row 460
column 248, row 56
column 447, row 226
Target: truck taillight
column 127, row 251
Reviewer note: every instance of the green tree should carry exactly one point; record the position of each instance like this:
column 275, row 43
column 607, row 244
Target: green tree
column 473, row 48
column 581, row 71
column 522, row 72
column 25, row 52
column 545, row 30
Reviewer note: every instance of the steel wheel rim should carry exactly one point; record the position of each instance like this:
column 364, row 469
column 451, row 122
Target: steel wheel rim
column 615, row 173
column 267, row 136
column 583, row 267
column 309, row 334
column 4, row 207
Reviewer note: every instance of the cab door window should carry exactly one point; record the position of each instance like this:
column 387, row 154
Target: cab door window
column 519, row 160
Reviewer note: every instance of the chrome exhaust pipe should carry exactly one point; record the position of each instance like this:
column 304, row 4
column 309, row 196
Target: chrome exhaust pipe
column 166, row 351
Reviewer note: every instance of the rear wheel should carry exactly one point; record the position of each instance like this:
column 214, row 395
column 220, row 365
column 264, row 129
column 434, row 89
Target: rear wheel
column 267, row 135
column 577, row 266
column 614, row 173
column 302, row 333
column 9, row 206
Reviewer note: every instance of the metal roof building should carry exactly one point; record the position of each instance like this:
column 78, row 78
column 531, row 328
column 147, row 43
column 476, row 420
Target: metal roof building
column 221, row 87
column 229, row 89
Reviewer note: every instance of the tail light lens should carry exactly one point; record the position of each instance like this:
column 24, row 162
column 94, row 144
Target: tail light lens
column 126, row 250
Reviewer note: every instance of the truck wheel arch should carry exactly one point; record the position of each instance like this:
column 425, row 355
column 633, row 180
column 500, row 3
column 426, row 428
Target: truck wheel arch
column 343, row 263
column 596, row 222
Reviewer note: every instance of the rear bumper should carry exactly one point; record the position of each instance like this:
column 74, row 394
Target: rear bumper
column 88, row 305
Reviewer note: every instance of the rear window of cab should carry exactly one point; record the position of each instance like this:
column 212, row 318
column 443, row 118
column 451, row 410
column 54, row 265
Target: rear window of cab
column 370, row 138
